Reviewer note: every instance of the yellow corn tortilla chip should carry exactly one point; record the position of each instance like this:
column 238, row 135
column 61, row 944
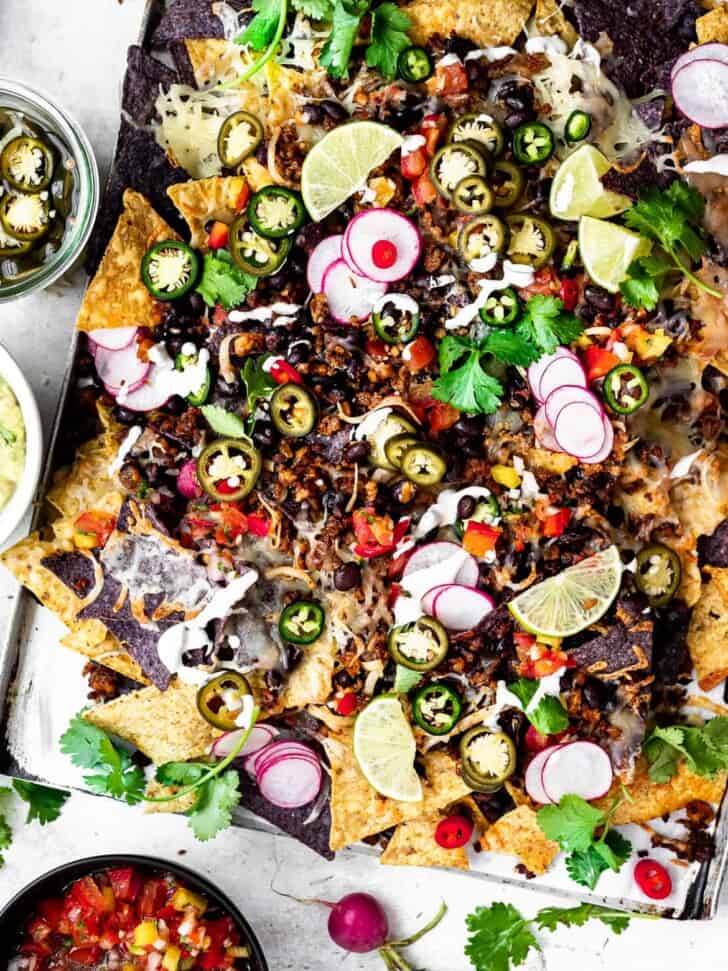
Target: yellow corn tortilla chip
column 357, row 810
column 713, row 26
column 555, row 463
column 202, row 200
column 549, row 20
column 413, row 844
column 165, row 725
column 109, row 652
column 708, row 632
column 116, row 297
column 491, row 24
column 310, row 681
column 650, row 800
column 82, row 486
column 518, row 834
column 181, row 805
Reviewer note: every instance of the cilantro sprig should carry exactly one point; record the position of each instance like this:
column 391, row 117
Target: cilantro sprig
column 546, row 325
column 548, row 716
column 44, row 802
column 704, row 749
column 671, row 218
column 223, row 282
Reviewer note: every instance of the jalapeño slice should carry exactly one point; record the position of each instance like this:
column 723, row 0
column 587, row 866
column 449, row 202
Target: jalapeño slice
column 275, row 212
column 220, row 700
column 12, row 247
column 531, row 241
column 473, row 196
column 437, row 708
column 170, row 269
column 578, row 125
column 480, row 128
column 533, row 143
column 501, row 308
column 199, row 397
column 626, row 389
column 414, row 65
column 301, row 622
column 482, row 237
column 507, row 182
column 488, row 758
column 228, row 469
column 396, row 446
column 27, row 164
column 419, row 646
column 240, row 134
column 393, row 424
column 658, row 573
column 483, row 510
column 452, row 163
column 423, row 465
column 24, row 216
column 253, row 253
column 293, row 410
column 396, row 318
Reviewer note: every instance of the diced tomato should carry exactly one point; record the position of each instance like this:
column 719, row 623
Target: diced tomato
column 39, row 929
column 599, row 362
column 376, row 535
column 438, row 415
column 284, row 373
column 433, row 127
column 450, row 79
column 424, row 190
column 51, row 910
column 110, row 934
column 543, row 661
column 556, row 523
column 346, row 704
column 88, row 954
column 126, row 883
column 243, row 197
column 453, row 832
column 545, row 281
column 125, row 914
column 535, row 741
column 152, row 898
column 523, row 640
column 376, row 347
column 99, row 525
column 569, row 293
column 219, row 315
column 480, row 538
column 413, row 164
column 258, row 525
column 88, row 895
column 42, row 949
column 394, row 591
column 214, row 959
column 418, row 354
column 218, row 236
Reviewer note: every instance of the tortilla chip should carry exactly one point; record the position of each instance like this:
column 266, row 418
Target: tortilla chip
column 116, row 297
column 186, row 18
column 181, row 805
column 708, row 632
column 555, row 463
column 713, row 26
column 357, row 810
column 108, row 652
column 142, row 81
column 203, row 200
column 164, row 725
column 485, row 24
column 518, row 834
column 549, row 20
column 650, row 800
column 310, row 681
column 413, row 844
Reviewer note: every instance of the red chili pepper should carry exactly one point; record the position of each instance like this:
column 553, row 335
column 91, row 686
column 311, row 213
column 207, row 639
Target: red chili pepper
column 555, row 524
column 218, row 236
column 346, row 704
column 599, row 362
column 224, row 487
column 653, row 879
column 284, row 373
column 453, row 832
column 569, row 293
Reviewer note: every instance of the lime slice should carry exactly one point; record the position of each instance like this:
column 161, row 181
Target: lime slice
column 384, row 747
column 340, row 163
column 577, row 190
column 567, row 603
column 607, row 251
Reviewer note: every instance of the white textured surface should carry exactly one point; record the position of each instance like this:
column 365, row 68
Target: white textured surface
column 75, row 50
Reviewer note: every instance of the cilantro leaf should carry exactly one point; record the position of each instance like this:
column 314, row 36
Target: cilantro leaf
column 315, row 9
column 704, row 749
column 180, row 773
column 44, row 803
column 224, row 422
column 222, row 282
column 90, row 748
column 262, row 28
column 345, row 22
column 511, row 348
column 469, row 388
column 258, row 382
column 6, row 833
column 586, row 866
column 546, row 324
column 524, row 689
column 548, row 716
column 571, row 824
column 550, row 918
column 388, row 38
column 499, row 937
column 214, row 804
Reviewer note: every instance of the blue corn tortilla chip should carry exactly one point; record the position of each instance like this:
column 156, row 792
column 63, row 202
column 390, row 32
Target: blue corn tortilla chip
column 183, row 19
column 713, row 549
column 142, row 81
column 182, row 63
column 74, row 570
column 315, row 835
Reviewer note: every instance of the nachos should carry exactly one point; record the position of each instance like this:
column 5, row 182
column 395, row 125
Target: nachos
column 406, row 516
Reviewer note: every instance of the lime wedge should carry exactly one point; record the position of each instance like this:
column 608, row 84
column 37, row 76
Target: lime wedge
column 567, row 603
column 384, row 747
column 340, row 163
column 607, row 251
column 577, row 189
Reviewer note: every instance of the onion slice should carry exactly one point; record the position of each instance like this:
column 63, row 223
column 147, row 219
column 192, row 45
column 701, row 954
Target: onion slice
column 700, row 91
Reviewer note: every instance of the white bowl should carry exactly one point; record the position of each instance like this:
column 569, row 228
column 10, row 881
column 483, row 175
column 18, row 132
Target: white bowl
column 21, row 500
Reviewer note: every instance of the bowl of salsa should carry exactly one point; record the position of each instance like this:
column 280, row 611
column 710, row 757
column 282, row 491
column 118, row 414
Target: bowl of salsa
column 49, row 190
column 125, row 913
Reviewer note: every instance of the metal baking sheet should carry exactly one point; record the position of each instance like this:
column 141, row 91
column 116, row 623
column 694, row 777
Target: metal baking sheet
column 42, row 688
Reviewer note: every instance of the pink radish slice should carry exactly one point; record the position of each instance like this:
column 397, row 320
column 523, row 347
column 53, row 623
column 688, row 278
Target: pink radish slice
column 428, row 601
column 606, row 448
column 253, row 762
column 579, row 430
column 560, row 373
column 461, row 608
column 148, row 395
column 544, row 432
column 350, row 296
column 567, row 394
column 577, row 769
column 187, row 483
column 260, row 736
column 112, row 338
column 700, row 91
column 431, row 554
column 534, row 785
column 290, row 782
column 120, row 369
column 712, row 52
column 538, row 367
column 321, row 258
column 284, row 748
column 386, row 263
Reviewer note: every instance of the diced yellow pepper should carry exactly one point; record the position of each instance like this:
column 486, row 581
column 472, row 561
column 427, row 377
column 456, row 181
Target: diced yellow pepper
column 649, row 346
column 108, row 895
column 171, row 958
column 506, row 475
column 85, row 541
column 238, row 952
column 552, row 642
column 146, row 933
column 183, row 898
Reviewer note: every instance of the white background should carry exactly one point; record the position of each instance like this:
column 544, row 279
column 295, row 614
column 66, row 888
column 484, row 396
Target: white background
column 75, row 50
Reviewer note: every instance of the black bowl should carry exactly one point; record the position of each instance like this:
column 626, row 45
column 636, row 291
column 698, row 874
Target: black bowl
column 15, row 914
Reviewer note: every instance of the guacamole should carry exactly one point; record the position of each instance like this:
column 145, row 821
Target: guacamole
column 12, row 443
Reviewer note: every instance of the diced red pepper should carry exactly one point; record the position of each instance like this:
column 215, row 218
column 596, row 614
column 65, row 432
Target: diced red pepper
column 218, row 236
column 376, row 535
column 258, row 525
column 152, row 898
column 556, row 523
column 346, row 704
column 418, row 354
column 480, row 538
column 243, row 197
column 599, row 362
column 433, row 127
column 413, row 164
column 233, row 523
column 424, row 190
column 284, row 373
column 126, row 883
column 569, row 293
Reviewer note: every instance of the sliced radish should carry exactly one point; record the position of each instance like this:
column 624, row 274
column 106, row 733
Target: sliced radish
column 579, row 430
column 321, row 258
column 461, row 608
column 606, row 448
column 120, row 369
column 432, row 554
column 577, row 769
column 285, row 748
column 112, row 338
column 534, row 785
column 290, row 782
column 382, row 244
column 564, row 371
column 260, row 736
column 538, row 367
column 152, row 393
column 700, row 91
column 428, row 601
column 712, row 51
column 566, row 395
column 544, row 432
column 349, row 295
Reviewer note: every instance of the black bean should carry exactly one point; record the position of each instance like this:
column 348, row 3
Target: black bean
column 273, row 679
column 469, row 427
column 599, row 298
column 347, row 576
column 274, row 341
column 125, row 416
column 197, row 304
column 176, row 405
column 263, row 434
column 356, row 452
column 466, row 507
column 335, row 111
column 335, row 502
column 516, row 118
column 342, row 679
column 130, row 476
column 298, row 353
column 312, row 114
column 261, row 153
column 403, row 492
